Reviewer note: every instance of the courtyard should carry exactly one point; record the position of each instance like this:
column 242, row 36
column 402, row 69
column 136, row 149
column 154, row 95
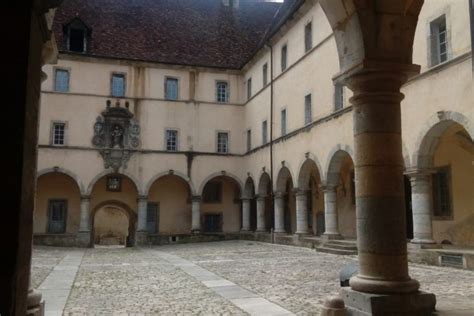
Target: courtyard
column 215, row 278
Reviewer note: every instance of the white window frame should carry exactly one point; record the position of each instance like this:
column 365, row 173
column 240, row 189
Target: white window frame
column 248, row 87
column 339, row 98
column 124, row 75
column 248, row 135
column 177, row 88
column 265, row 74
column 264, row 132
column 433, row 47
column 284, row 46
column 68, row 70
column 52, row 133
column 227, row 98
column 217, row 141
column 177, row 139
column 306, row 48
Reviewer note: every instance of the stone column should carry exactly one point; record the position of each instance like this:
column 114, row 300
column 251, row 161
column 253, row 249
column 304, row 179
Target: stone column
column 196, row 214
column 279, row 213
column 331, row 227
column 261, row 227
column 422, row 205
column 142, row 209
column 380, row 205
column 246, row 214
column 84, row 225
column 84, row 233
column 301, row 212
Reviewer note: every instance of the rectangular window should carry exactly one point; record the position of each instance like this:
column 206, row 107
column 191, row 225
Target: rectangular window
column 59, row 134
column 308, row 37
column 249, row 140
column 283, row 122
column 338, row 97
column 222, row 91
column 265, row 74
column 442, row 193
column 284, row 56
column 308, row 113
column 152, row 218
column 264, row 132
column 57, row 214
column 171, row 89
column 438, row 41
column 118, row 85
column 212, row 192
column 223, row 142
column 61, row 80
column 249, row 88
column 171, row 140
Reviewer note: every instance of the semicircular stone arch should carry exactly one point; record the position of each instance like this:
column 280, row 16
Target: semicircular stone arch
column 263, row 184
column 305, row 171
column 220, row 174
column 334, row 163
column 249, row 188
column 283, row 176
column 66, row 172
column 168, row 173
column 431, row 134
column 134, row 180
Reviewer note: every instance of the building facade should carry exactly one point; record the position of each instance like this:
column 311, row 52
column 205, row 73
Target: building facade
column 149, row 135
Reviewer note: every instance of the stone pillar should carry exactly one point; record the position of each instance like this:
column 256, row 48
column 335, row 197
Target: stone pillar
column 380, row 205
column 141, row 235
column 279, row 213
column 84, row 234
column 261, row 227
column 301, row 212
column 331, row 227
column 196, row 214
column 246, row 214
column 422, row 205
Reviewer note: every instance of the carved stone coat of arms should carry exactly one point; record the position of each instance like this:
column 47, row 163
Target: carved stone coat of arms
column 117, row 135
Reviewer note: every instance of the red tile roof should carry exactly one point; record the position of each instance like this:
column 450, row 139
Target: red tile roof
column 189, row 32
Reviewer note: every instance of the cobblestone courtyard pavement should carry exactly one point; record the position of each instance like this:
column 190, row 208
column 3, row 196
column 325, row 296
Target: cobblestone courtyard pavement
column 218, row 278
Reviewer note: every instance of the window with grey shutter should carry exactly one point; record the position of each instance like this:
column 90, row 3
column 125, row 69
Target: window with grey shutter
column 222, row 142
column 308, row 115
column 438, row 41
column 61, row 80
column 265, row 74
column 222, row 91
column 338, row 97
column 57, row 215
column 264, row 132
column 152, row 218
column 249, row 140
column 308, row 37
column 171, row 89
column 283, row 122
column 284, row 56
column 118, row 85
column 441, row 193
column 249, row 88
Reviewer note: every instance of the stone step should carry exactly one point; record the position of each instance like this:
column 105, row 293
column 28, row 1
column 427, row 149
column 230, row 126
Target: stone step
column 336, row 251
column 342, row 247
column 342, row 242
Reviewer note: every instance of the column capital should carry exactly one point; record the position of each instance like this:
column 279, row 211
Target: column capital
column 196, row 198
column 246, row 198
column 327, row 188
column 142, row 198
column 261, row 197
column 414, row 174
column 85, row 197
column 279, row 195
column 299, row 192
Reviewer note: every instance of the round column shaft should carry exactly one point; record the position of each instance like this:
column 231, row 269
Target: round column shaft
column 142, row 210
column 84, row 225
column 301, row 212
column 246, row 214
column 261, row 214
column 279, row 213
column 331, row 226
column 380, row 205
column 196, row 214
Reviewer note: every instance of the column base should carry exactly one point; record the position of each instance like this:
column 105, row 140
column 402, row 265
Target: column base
column 388, row 287
column 246, row 230
column 141, row 238
column 261, row 230
column 422, row 241
column 364, row 304
column 35, row 303
column 332, row 236
column 195, row 231
column 84, row 239
column 279, row 231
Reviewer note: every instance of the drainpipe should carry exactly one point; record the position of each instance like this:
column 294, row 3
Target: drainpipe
column 471, row 15
column 271, row 116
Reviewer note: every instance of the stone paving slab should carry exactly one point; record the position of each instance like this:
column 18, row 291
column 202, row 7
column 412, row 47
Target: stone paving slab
column 181, row 280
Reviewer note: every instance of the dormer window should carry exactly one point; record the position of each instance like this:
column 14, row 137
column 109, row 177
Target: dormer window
column 77, row 35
